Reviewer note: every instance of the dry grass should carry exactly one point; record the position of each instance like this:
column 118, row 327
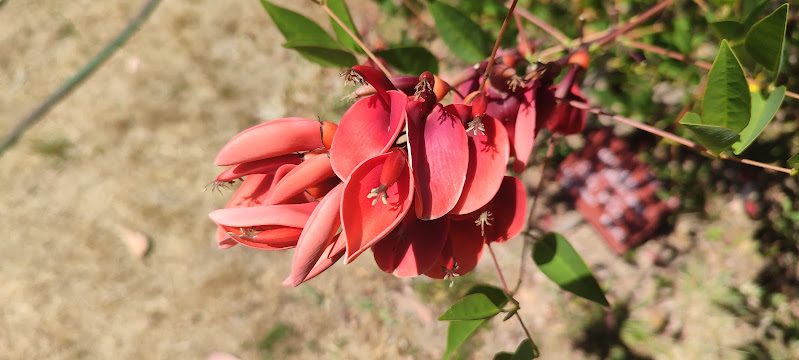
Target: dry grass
column 133, row 148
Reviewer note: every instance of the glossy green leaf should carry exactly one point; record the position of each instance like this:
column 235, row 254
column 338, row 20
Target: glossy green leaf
column 457, row 334
column 410, row 60
column 321, row 55
column 503, row 356
column 471, row 307
column 296, row 27
column 717, row 139
column 726, row 102
column 751, row 11
column 729, row 29
column 766, row 38
column 339, row 7
column 793, row 162
column 462, row 35
column 558, row 260
column 461, row 330
column 763, row 110
column 526, row 351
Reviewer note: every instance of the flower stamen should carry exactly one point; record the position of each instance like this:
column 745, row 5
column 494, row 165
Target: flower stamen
column 352, row 77
column 484, row 219
column 476, row 126
column 378, row 193
column 450, row 274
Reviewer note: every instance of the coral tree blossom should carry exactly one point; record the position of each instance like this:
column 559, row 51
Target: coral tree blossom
column 421, row 184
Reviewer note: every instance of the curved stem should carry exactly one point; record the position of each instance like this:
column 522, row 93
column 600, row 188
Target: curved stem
column 680, row 57
column 546, row 27
column 491, row 61
column 510, row 295
column 531, row 212
column 78, row 78
column 355, row 38
column 638, row 20
column 678, row 139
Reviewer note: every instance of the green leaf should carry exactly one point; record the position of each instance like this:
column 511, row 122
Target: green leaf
column 461, row 330
column 462, row 35
column 410, row 60
column 296, row 27
column 762, row 112
column 558, row 260
column 717, row 139
column 729, row 29
column 726, row 102
column 322, row 55
column 765, row 39
column 457, row 334
column 526, row 351
column 503, row 356
column 471, row 307
column 339, row 7
column 793, row 162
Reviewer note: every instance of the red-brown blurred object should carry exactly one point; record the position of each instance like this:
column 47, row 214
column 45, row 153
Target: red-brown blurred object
column 614, row 191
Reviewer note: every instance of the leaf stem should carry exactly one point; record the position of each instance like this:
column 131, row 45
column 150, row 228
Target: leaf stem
column 510, row 295
column 638, row 20
column 679, row 57
column 678, row 139
column 531, row 212
column 78, row 78
column 564, row 40
column 491, row 59
column 355, row 38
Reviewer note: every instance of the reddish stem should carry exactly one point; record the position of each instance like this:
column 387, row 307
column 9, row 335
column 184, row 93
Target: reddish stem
column 678, row 139
column 680, row 57
column 491, row 60
column 638, row 20
column 543, row 25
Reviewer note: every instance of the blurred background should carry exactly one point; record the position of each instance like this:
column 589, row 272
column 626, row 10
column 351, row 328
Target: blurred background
column 127, row 157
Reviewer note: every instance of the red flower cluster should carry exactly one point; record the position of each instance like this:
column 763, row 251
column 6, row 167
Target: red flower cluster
column 420, row 183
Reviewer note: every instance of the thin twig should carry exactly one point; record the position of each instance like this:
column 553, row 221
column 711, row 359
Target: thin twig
column 638, row 20
column 78, row 78
column 509, row 294
column 543, row 25
column 678, row 139
column 355, row 38
column 491, row 60
column 531, row 212
column 524, row 42
column 680, row 57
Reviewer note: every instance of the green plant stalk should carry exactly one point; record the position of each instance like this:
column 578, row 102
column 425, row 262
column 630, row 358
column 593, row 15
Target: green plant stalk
column 79, row 77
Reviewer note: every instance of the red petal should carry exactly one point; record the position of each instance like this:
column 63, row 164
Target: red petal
column 376, row 78
column 507, row 209
column 268, row 237
column 488, row 158
column 367, row 129
column 461, row 252
column 310, row 172
column 332, row 253
column 524, row 131
column 223, row 239
column 264, row 166
column 292, row 215
column 440, row 158
column 412, row 248
column 252, row 191
column 274, row 138
column 316, row 236
column 364, row 223
column 502, row 107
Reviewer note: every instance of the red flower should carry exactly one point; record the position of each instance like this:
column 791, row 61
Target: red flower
column 425, row 202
